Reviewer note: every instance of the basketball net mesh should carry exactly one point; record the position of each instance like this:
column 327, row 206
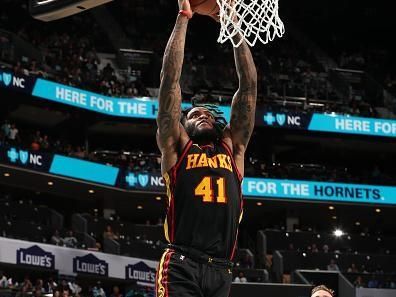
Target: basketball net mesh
column 251, row 19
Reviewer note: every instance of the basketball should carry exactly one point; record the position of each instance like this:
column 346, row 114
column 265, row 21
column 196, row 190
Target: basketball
column 205, row 7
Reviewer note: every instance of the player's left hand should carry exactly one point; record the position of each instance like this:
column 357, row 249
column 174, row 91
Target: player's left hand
column 185, row 6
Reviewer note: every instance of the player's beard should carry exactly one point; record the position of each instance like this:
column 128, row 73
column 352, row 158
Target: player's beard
column 202, row 136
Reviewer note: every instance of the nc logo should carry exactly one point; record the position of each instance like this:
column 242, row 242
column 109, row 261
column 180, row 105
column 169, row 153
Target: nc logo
column 12, row 155
column 7, row 77
column 131, row 179
column 269, row 118
column 281, row 119
column 23, row 156
column 143, row 179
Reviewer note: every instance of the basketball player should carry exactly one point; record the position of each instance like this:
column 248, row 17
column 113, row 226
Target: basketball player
column 322, row 291
column 202, row 165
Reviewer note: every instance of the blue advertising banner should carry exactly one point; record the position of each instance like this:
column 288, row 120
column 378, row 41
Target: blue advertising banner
column 85, row 170
column 318, row 191
column 145, row 108
column 259, row 188
column 327, row 123
column 352, row 125
column 255, row 188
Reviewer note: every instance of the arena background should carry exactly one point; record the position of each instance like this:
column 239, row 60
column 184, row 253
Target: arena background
column 82, row 200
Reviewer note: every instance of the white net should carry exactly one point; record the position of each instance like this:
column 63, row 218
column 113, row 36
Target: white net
column 251, row 19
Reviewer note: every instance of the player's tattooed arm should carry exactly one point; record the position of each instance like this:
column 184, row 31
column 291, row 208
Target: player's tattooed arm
column 168, row 119
column 243, row 106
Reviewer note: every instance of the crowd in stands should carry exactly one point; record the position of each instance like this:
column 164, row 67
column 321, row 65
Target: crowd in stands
column 325, row 172
column 121, row 230
column 136, row 160
column 360, row 264
column 69, row 55
column 58, row 287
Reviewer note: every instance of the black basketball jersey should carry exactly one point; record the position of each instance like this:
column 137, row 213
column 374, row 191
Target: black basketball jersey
column 204, row 200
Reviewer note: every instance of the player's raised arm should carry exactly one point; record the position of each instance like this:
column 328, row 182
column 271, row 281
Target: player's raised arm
column 243, row 106
column 168, row 119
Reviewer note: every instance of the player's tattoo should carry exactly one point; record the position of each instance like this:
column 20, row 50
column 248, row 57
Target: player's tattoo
column 244, row 102
column 169, row 93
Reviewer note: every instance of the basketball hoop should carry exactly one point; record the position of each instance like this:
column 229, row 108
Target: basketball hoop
column 251, row 19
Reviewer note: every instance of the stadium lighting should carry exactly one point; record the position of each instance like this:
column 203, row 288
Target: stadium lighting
column 331, row 207
column 91, row 191
column 7, row 174
column 338, row 233
column 357, row 223
column 139, row 207
column 259, row 203
column 158, row 198
column 378, row 210
column 45, row 2
column 50, row 183
column 334, row 217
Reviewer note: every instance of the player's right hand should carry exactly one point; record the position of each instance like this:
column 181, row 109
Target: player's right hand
column 185, row 5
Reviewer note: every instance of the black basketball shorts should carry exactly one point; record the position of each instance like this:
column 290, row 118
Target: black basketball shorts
column 179, row 275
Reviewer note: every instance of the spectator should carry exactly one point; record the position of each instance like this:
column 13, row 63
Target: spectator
column 358, row 282
column 39, row 288
column 363, row 269
column 325, row 248
column 70, row 240
column 116, row 292
column 74, row 287
column 373, row 282
column 79, row 153
column 3, row 280
column 379, row 270
column 314, row 248
column 333, row 266
column 51, row 285
column 56, row 239
column 35, row 146
column 26, row 287
column 109, row 234
column 44, row 144
column 240, row 278
column 353, row 269
column 97, row 290
column 246, row 260
column 65, row 292
column 5, row 130
column 13, row 135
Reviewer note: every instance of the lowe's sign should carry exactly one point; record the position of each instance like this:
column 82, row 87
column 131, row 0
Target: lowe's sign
column 35, row 256
column 90, row 264
column 141, row 272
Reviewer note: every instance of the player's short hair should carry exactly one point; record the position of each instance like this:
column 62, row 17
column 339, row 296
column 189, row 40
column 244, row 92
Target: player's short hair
column 323, row 288
column 220, row 121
